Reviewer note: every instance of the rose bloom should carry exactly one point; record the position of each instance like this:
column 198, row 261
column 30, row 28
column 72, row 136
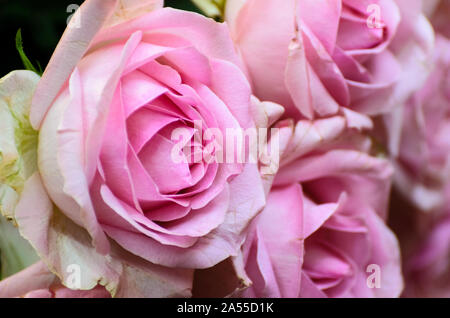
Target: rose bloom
column 423, row 164
column 422, row 178
column 330, row 211
column 18, row 140
column 105, row 155
column 105, row 150
column 364, row 55
column 36, row 281
column 322, row 232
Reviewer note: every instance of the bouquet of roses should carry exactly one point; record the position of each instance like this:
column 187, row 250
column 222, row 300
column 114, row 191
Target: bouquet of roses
column 267, row 148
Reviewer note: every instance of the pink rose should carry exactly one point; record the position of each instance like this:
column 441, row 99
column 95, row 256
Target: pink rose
column 37, row 281
column 423, row 164
column 106, row 159
column 327, row 240
column 364, row 55
column 322, row 232
column 423, row 178
column 105, row 144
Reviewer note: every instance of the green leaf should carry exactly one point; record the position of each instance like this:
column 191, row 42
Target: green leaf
column 26, row 62
column 15, row 252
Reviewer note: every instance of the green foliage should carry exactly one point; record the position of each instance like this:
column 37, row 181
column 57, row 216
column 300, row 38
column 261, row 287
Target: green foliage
column 26, row 62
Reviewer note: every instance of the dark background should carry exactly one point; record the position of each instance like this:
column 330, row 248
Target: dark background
column 42, row 23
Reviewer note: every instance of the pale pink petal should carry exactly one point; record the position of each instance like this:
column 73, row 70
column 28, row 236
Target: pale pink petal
column 221, row 243
column 62, row 244
column 35, row 277
column 279, row 246
column 130, row 9
column 71, row 48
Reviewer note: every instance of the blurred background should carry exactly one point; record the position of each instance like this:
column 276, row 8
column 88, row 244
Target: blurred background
column 42, row 23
